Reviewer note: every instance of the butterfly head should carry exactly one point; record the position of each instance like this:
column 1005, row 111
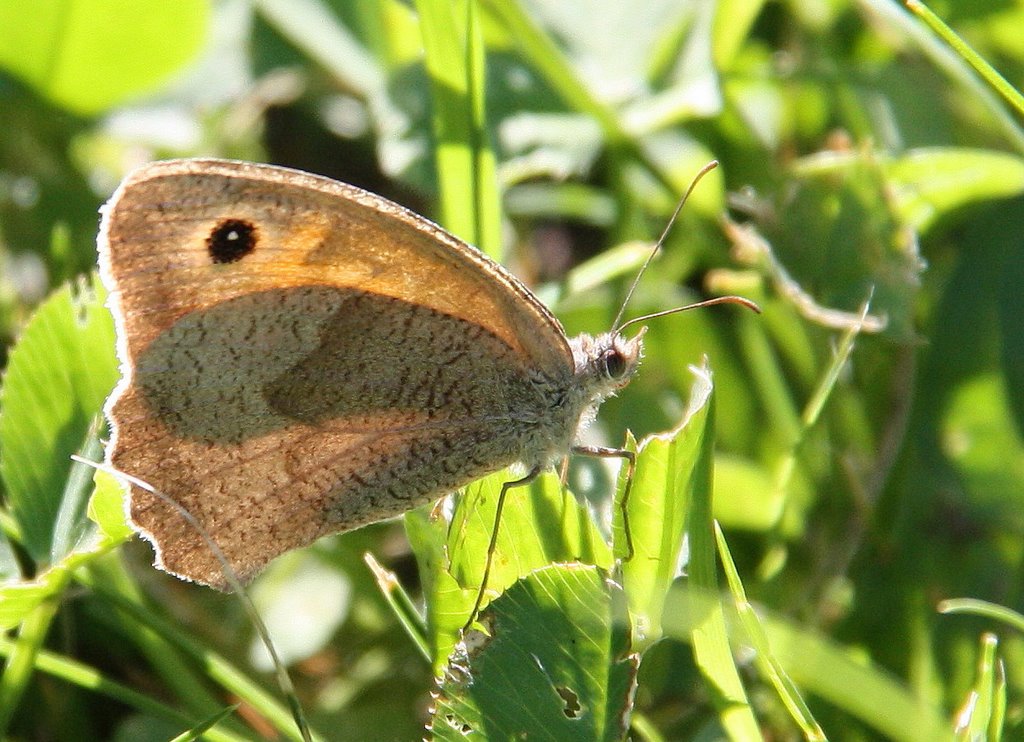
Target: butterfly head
column 606, row 363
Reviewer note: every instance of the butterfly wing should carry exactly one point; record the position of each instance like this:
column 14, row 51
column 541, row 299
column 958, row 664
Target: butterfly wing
column 300, row 357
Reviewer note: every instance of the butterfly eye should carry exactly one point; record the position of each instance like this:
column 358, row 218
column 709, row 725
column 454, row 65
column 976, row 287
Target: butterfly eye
column 614, row 364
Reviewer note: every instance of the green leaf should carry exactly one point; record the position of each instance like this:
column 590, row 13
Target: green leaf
column 106, row 508
column 931, row 183
column 711, row 649
column 541, row 524
column 18, row 601
column 428, row 537
column 733, row 21
column 60, row 371
column 73, row 530
column 660, row 495
column 557, row 665
column 88, row 55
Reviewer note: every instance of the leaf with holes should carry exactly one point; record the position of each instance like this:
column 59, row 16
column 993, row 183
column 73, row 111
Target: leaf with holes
column 557, row 666
column 541, row 523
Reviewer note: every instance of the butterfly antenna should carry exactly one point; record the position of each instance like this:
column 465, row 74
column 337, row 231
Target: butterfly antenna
column 696, row 305
column 661, row 241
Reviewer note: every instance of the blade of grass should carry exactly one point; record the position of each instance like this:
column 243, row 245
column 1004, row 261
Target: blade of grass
column 643, row 729
column 838, row 675
column 216, row 667
column 709, row 636
column 982, row 714
column 89, row 678
column 864, row 690
column 765, row 659
column 466, row 169
column 987, row 72
column 199, row 730
column 947, row 60
column 22, row 659
column 401, row 604
column 812, row 410
column 972, row 606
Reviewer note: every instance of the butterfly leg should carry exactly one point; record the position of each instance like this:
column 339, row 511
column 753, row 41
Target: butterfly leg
column 494, row 539
column 563, row 471
column 630, row 459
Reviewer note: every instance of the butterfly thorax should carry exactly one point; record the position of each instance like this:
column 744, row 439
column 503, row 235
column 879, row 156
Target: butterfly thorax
column 602, row 365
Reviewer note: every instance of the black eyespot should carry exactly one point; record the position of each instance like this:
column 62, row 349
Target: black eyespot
column 231, row 240
column 614, row 364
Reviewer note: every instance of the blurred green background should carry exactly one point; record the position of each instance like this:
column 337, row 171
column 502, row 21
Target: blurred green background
column 861, row 160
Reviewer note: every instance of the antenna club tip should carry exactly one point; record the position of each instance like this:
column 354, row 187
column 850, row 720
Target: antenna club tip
column 741, row 300
column 751, row 305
